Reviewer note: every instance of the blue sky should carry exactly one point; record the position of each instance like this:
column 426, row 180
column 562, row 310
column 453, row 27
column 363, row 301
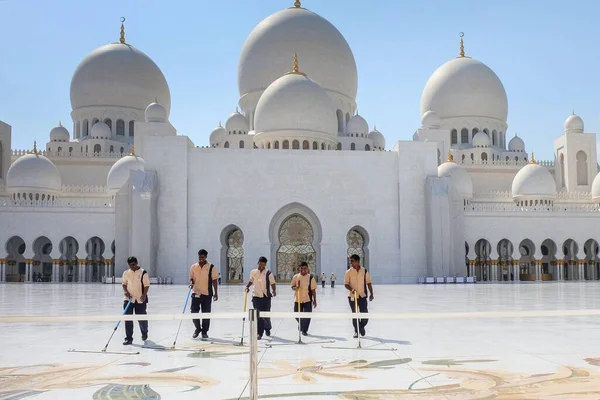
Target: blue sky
column 545, row 52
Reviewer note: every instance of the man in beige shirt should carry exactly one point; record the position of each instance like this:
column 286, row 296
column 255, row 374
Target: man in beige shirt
column 204, row 281
column 356, row 280
column 305, row 288
column 264, row 289
column 135, row 283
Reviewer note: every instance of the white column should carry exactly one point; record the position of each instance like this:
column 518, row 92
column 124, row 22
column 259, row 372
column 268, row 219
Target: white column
column 581, row 270
column 516, row 271
column 54, row 271
column 538, row 270
column 2, row 270
column 81, row 272
column 27, row 270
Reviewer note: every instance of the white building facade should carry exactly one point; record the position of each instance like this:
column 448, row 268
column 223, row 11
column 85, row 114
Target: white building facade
column 295, row 174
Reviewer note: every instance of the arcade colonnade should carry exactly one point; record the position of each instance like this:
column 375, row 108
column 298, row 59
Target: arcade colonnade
column 41, row 260
column 528, row 260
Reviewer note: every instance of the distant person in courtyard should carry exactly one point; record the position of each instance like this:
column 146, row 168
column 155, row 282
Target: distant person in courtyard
column 219, row 278
column 205, row 288
column 264, row 289
column 357, row 280
column 135, row 283
column 323, row 279
column 305, row 287
column 332, row 279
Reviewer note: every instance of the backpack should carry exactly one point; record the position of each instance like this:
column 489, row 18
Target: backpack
column 210, row 285
column 310, row 293
column 142, row 282
column 268, row 284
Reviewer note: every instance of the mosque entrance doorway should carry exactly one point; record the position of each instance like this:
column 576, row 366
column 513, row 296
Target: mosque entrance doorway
column 296, row 238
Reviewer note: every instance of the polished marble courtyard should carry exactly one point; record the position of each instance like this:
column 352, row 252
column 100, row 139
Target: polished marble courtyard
column 434, row 358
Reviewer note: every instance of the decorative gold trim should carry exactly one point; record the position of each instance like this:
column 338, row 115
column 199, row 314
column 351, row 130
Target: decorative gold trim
column 2, row 260
column 297, row 4
column 450, row 157
column 35, row 150
column 462, row 45
column 532, row 159
column 132, row 153
column 296, row 68
column 122, row 38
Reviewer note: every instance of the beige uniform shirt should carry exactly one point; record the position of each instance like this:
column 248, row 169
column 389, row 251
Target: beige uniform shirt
column 356, row 280
column 133, row 281
column 332, row 278
column 259, row 280
column 199, row 275
column 303, row 280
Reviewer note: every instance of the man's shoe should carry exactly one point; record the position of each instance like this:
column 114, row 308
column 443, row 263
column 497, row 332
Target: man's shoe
column 304, row 333
column 204, row 335
column 127, row 342
column 145, row 337
column 196, row 333
column 362, row 332
column 259, row 337
column 268, row 332
column 355, row 335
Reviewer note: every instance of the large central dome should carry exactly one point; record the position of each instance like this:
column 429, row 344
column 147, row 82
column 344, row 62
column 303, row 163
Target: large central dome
column 326, row 56
column 118, row 75
column 464, row 87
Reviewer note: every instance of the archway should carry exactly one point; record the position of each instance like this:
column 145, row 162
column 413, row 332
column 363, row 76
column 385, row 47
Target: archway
column 548, row 249
column 483, row 248
column 68, row 248
column 232, row 254
column 505, row 252
column 41, row 267
column 591, row 260
column 570, row 250
column 15, row 261
column 295, row 234
column 94, row 248
column 357, row 240
column 527, row 261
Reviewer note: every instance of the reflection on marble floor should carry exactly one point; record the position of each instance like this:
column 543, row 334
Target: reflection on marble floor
column 510, row 358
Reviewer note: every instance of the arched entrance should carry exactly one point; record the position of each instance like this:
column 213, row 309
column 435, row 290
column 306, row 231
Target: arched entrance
column 296, row 236
column 94, row 248
column 232, row 254
column 591, row 259
column 15, row 261
column 570, row 250
column 527, row 261
column 357, row 241
column 41, row 261
column 548, row 249
column 68, row 248
column 483, row 248
column 505, row 251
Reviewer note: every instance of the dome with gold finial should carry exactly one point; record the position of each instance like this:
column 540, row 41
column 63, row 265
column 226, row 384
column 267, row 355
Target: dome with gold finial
column 463, row 88
column 120, row 171
column 296, row 107
column 326, row 56
column 118, row 75
column 217, row 136
column 460, row 180
column 59, row 134
column 533, row 182
column 33, row 175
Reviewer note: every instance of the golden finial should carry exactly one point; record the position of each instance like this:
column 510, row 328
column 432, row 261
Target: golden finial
column 132, row 153
column 296, row 68
column 450, row 156
column 462, row 44
column 122, row 39
column 297, row 4
column 35, row 150
column 532, row 159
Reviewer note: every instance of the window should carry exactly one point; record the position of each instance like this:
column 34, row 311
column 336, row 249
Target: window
column 241, row 144
column 454, row 137
column 464, row 135
column 582, row 168
column 322, row 146
column 122, row 150
column 315, row 146
column 295, row 145
column 340, row 120
column 286, row 144
column 59, row 150
column 352, row 146
column 484, row 157
column 131, row 128
column 226, row 145
column 494, row 134
column 86, row 127
column 277, row 144
column 120, row 127
column 77, row 130
column 339, row 146
column 108, row 122
column 305, row 145
column 562, row 170
column 97, row 148
column 367, row 147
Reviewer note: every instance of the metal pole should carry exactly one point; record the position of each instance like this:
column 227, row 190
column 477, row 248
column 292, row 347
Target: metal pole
column 253, row 318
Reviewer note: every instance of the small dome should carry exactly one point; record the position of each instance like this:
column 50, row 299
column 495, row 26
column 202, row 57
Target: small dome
column 460, row 179
column 33, row 173
column 516, row 144
column 155, row 112
column 573, row 124
column 237, row 122
column 481, row 139
column 430, row 120
column 296, row 105
column 596, row 189
column 533, row 182
column 465, row 87
column 357, row 125
column 217, row 135
column 101, row 131
column 59, row 134
column 377, row 138
column 119, row 173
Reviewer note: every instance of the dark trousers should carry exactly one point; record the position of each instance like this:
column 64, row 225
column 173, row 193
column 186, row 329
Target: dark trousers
column 332, row 283
column 140, row 309
column 262, row 304
column 363, row 308
column 323, row 283
column 304, row 322
column 203, row 302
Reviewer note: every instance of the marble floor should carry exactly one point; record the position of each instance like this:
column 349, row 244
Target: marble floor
column 463, row 358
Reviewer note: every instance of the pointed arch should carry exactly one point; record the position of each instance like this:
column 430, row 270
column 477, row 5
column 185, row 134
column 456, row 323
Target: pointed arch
column 232, row 254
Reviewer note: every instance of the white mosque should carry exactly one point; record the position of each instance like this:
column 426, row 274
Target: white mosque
column 295, row 174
